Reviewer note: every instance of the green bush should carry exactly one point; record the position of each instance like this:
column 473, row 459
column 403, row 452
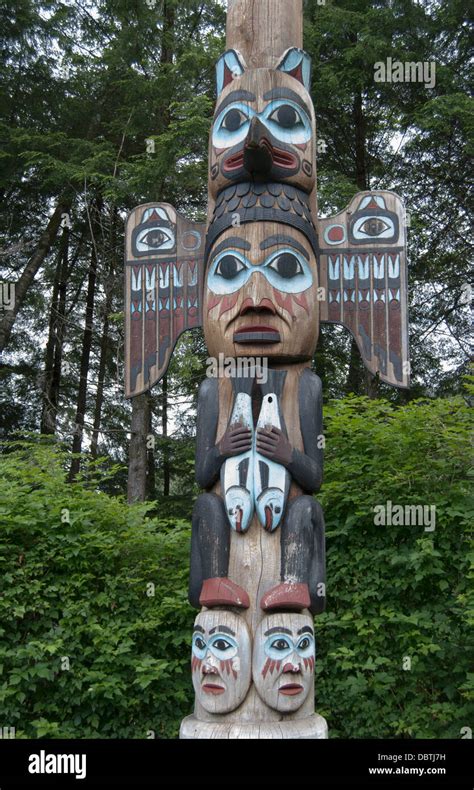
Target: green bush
column 396, row 592
column 78, row 594
column 86, row 651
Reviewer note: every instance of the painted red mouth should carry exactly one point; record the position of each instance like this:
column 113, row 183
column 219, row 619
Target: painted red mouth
column 213, row 688
column 234, row 162
column 284, row 159
column 281, row 159
column 259, row 328
column 291, row 689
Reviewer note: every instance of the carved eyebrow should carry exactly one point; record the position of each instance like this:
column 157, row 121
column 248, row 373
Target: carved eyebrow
column 198, row 628
column 286, row 93
column 234, row 241
column 305, row 630
column 272, row 241
column 232, row 97
column 222, row 628
column 278, row 630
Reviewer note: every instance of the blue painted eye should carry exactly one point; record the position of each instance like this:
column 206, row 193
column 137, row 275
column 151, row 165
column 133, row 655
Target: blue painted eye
column 222, row 644
column 287, row 122
column 199, row 646
column 223, row 647
column 288, row 271
column 287, row 117
column 229, row 267
column 278, row 647
column 233, row 120
column 287, row 266
column 228, row 272
column 232, row 125
column 280, row 644
column 305, row 646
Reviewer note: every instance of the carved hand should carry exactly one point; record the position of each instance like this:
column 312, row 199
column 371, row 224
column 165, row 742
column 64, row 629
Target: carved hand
column 236, row 440
column 273, row 444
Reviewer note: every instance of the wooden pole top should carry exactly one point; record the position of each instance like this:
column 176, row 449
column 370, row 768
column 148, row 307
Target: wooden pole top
column 262, row 30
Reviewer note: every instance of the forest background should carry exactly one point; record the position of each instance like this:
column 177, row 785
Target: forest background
column 107, row 104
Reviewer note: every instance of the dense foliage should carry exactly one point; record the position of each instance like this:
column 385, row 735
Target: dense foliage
column 88, row 648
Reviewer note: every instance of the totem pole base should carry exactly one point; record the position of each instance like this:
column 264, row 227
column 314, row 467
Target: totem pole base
column 311, row 728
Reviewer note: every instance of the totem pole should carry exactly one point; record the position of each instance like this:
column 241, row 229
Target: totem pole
column 259, row 277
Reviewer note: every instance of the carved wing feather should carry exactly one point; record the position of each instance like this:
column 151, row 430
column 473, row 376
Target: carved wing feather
column 362, row 267
column 163, row 289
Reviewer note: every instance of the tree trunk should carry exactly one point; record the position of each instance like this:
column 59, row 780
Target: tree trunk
column 150, row 478
column 104, row 341
column 55, row 340
column 355, row 377
column 164, row 431
column 137, row 459
column 360, row 128
column 86, row 350
column 31, row 269
column 167, row 35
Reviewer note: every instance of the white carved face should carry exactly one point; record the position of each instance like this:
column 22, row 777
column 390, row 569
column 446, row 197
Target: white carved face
column 283, row 660
column 221, row 660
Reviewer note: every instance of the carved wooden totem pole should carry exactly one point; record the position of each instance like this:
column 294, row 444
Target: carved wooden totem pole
column 260, row 278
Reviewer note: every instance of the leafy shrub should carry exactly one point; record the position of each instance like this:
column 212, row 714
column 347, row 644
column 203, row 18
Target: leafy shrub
column 396, row 592
column 77, row 594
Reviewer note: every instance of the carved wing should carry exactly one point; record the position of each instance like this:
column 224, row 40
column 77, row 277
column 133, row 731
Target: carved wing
column 163, row 289
column 362, row 267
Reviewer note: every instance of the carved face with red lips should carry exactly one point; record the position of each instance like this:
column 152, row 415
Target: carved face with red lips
column 264, row 124
column 261, row 293
column 220, row 660
column 283, row 660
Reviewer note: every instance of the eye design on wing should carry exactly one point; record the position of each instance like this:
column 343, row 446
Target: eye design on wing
column 374, row 226
column 153, row 239
column 286, row 270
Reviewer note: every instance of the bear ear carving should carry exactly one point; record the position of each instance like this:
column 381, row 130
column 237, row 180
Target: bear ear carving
column 297, row 63
column 229, row 66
